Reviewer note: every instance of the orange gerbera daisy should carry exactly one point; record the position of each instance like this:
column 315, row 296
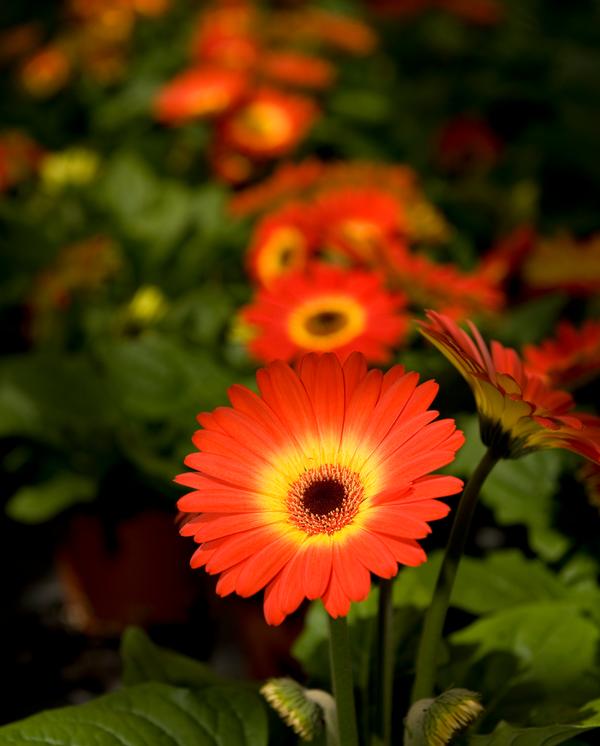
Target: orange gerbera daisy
column 360, row 223
column 46, row 71
column 518, row 411
column 296, row 69
column 318, row 481
column 199, row 92
column 282, row 242
column 326, row 309
column 569, row 359
column 225, row 36
column 311, row 177
column 444, row 286
column 269, row 124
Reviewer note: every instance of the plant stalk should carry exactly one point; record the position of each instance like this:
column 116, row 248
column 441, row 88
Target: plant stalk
column 386, row 651
column 341, row 678
column 436, row 613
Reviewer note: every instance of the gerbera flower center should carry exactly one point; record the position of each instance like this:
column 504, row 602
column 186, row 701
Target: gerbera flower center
column 327, row 322
column 324, row 500
column 266, row 124
column 284, row 250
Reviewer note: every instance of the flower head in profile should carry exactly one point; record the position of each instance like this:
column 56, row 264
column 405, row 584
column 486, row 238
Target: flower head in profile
column 518, row 411
column 198, row 93
column 297, row 69
column 282, row 242
column 321, row 479
column 444, row 286
column 571, row 358
column 269, row 124
column 46, row 71
column 326, row 309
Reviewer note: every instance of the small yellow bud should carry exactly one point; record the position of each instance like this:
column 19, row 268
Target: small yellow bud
column 147, row 305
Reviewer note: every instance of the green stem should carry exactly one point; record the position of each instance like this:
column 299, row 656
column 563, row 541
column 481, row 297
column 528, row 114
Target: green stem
column 436, row 613
column 341, row 677
column 385, row 662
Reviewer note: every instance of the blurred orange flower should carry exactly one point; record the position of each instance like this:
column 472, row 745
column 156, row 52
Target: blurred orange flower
column 296, row 69
column 269, row 124
column 363, row 224
column 571, row 358
column 326, row 309
column 199, row 92
column 445, row 287
column 46, row 71
column 282, row 242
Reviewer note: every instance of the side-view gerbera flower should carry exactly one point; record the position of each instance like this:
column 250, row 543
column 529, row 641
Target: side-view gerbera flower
column 444, row 286
column 326, row 309
column 570, row 358
column 518, row 411
column 198, row 93
column 321, row 479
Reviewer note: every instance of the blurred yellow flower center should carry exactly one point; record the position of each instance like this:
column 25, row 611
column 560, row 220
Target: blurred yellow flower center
column 284, row 250
column 362, row 236
column 265, row 124
column 327, row 322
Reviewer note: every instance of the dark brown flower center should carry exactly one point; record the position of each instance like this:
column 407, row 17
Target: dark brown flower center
column 324, row 500
column 322, row 497
column 326, row 322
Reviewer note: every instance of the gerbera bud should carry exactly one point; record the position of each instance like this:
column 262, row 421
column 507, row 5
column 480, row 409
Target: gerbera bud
column 435, row 722
column 302, row 709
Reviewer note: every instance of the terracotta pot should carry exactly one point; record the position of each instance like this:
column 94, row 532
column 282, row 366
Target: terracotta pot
column 137, row 574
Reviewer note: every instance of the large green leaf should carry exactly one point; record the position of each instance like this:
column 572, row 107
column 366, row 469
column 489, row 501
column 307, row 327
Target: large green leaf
column 553, row 646
column 144, row 661
column 502, row 579
column 40, row 502
column 152, row 713
column 154, row 376
column 51, row 397
column 547, row 735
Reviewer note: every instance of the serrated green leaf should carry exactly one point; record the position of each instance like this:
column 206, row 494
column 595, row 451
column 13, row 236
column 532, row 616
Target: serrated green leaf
column 144, row 661
column 41, row 502
column 546, row 735
column 146, row 714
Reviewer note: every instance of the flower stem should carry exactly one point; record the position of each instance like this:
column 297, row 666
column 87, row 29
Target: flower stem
column 436, row 613
column 385, row 662
column 341, row 677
